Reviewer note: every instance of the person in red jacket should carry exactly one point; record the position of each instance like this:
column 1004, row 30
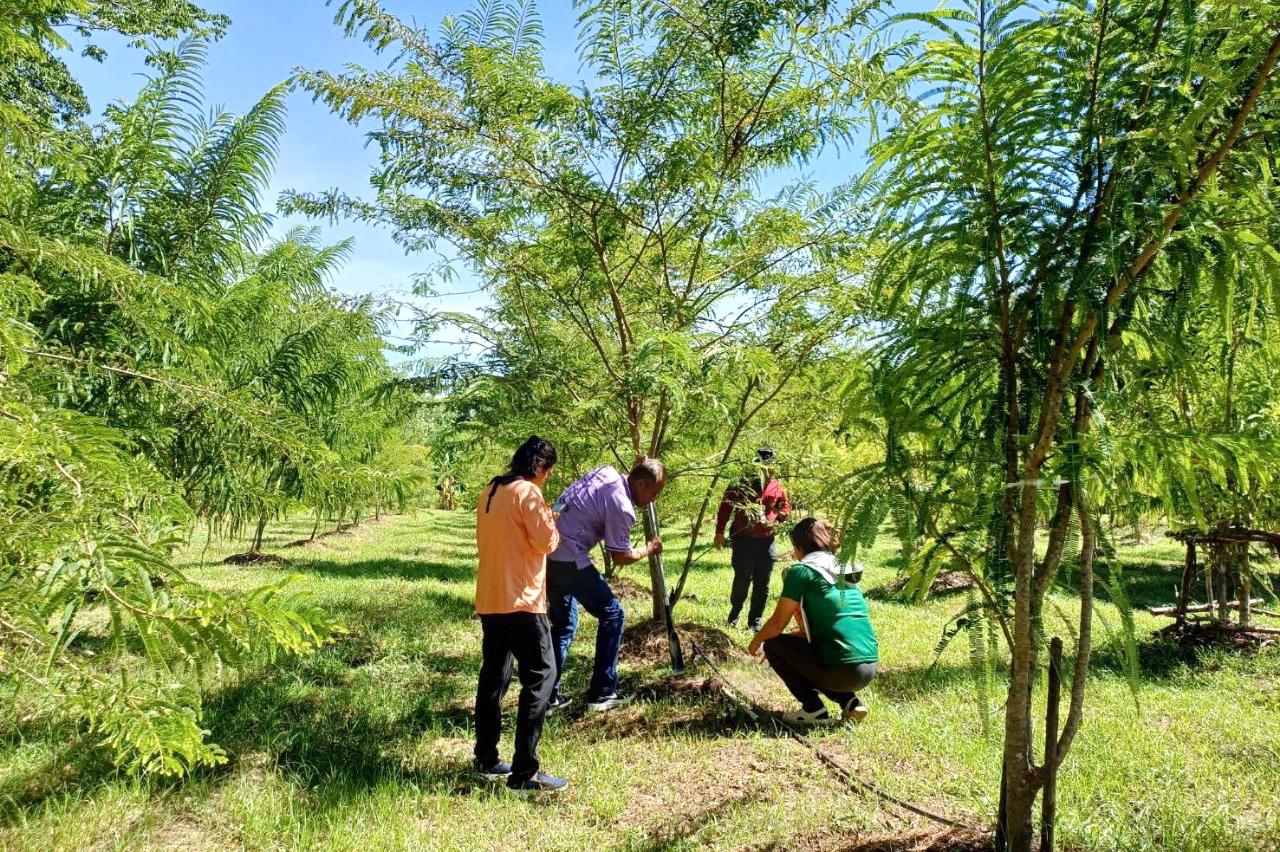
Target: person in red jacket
column 751, row 509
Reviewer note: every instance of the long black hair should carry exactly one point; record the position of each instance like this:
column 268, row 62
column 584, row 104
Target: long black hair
column 530, row 459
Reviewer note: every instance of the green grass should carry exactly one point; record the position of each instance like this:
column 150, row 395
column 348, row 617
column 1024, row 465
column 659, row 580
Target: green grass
column 366, row 745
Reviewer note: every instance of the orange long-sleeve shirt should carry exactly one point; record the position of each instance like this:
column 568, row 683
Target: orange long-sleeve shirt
column 514, row 533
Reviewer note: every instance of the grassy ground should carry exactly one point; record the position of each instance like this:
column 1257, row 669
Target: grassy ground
column 366, row 745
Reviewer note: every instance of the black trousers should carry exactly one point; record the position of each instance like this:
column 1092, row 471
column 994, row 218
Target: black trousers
column 793, row 658
column 752, row 562
column 525, row 638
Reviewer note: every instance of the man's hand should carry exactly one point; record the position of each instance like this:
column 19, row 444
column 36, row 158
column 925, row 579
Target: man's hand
column 654, row 547
column 754, row 648
column 719, row 541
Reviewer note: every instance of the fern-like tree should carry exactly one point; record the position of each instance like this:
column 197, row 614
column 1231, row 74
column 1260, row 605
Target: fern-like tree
column 642, row 296
column 155, row 359
column 1032, row 203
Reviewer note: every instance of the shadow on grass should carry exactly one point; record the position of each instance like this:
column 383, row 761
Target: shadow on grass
column 390, row 568
column 912, row 683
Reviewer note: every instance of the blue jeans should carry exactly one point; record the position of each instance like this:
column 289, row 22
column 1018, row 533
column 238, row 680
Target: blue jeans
column 568, row 585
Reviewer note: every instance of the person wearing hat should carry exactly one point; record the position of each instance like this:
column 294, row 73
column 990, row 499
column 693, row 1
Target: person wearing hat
column 751, row 510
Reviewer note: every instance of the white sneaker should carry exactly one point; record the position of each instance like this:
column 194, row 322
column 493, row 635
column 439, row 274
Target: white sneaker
column 608, row 702
column 806, row 717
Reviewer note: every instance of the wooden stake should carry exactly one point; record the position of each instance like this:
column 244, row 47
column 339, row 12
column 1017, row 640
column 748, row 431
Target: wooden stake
column 1222, row 560
column 1184, row 589
column 1242, row 588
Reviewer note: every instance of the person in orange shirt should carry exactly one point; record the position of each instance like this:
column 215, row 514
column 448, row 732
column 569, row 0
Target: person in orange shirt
column 515, row 530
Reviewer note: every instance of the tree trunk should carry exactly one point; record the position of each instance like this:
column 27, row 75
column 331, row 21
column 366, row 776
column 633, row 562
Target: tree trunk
column 1020, row 779
column 315, row 530
column 1049, row 811
column 257, row 535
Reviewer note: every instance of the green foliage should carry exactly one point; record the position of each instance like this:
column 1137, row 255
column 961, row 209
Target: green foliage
column 643, row 298
column 1043, row 202
column 36, row 88
column 160, row 364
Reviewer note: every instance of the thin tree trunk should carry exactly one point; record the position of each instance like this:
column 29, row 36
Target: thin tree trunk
column 1001, row 840
column 1049, row 810
column 257, row 535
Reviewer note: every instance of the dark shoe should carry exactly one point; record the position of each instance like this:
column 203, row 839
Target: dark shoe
column 499, row 770
column 732, row 623
column 855, row 710
column 608, row 702
column 804, row 718
column 755, row 626
column 541, row 782
column 558, row 702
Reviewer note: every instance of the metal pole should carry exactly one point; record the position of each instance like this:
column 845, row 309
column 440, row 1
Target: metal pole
column 658, row 577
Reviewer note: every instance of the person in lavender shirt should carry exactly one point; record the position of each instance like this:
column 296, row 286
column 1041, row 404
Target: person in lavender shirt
column 598, row 507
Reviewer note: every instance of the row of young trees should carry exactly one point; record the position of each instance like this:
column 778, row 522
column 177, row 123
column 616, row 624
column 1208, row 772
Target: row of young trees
column 1051, row 293
column 162, row 362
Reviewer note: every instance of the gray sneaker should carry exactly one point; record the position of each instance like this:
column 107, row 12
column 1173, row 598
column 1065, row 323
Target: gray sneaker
column 539, row 783
column 497, row 771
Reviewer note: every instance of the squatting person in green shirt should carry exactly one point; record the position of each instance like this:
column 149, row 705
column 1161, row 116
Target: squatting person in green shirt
column 834, row 652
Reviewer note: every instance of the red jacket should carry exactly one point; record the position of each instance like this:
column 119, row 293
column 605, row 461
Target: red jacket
column 752, row 517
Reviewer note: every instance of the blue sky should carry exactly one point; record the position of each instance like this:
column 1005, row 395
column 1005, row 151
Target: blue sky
column 267, row 40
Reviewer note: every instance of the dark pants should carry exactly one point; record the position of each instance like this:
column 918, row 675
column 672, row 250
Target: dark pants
column 792, row 657
column 567, row 586
column 752, row 562
column 526, row 638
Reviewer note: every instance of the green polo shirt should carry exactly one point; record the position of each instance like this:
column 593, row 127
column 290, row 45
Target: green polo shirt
column 837, row 620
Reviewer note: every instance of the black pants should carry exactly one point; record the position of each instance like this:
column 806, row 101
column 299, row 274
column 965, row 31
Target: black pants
column 792, row 657
column 524, row 637
column 752, row 562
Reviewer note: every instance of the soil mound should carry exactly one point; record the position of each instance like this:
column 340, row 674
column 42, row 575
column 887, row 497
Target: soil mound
column 946, row 581
column 628, row 589
column 254, row 558
column 309, row 544
column 1197, row 636
column 646, row 643
column 688, row 687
